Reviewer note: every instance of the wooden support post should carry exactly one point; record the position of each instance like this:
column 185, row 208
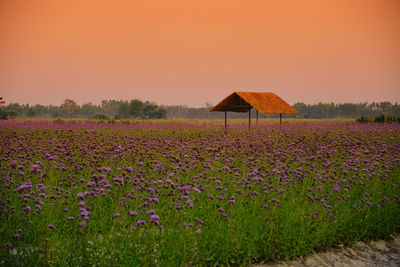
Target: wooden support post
column 249, row 118
column 280, row 120
column 257, row 117
column 225, row 121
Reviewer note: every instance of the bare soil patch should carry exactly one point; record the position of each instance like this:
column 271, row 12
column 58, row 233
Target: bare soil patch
column 375, row 253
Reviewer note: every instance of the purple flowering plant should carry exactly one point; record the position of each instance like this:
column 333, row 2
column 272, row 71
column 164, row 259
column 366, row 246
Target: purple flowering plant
column 176, row 193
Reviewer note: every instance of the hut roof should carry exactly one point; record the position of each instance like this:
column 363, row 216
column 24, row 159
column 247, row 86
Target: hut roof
column 264, row 102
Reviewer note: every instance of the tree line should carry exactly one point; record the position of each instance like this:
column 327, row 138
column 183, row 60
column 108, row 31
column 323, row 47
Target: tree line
column 315, row 111
column 120, row 109
column 108, row 109
column 347, row 110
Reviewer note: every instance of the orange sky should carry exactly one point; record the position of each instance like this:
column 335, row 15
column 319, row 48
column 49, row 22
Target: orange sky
column 193, row 52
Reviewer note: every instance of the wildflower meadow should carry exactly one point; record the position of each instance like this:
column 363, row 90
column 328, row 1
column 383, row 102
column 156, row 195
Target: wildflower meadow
column 186, row 193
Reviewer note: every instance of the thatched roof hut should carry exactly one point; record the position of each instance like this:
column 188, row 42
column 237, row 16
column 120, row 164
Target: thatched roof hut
column 264, row 102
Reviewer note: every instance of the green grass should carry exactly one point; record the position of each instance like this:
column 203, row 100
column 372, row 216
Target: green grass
column 259, row 226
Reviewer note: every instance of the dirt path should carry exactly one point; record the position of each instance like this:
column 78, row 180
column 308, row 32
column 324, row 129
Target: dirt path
column 377, row 253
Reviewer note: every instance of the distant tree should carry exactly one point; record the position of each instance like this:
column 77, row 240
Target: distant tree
column 303, row 109
column 30, row 112
column 161, row 113
column 123, row 110
column 17, row 108
column 100, row 116
column 54, row 111
column 87, row 110
column 5, row 113
column 150, row 111
column 136, row 108
column 69, row 107
column 110, row 107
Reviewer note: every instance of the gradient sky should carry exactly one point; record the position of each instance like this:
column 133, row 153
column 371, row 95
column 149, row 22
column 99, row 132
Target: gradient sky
column 193, row 52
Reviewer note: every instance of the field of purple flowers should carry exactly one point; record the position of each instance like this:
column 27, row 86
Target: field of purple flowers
column 178, row 193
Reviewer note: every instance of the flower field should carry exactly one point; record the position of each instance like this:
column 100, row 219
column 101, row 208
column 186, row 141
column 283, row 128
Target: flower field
column 181, row 193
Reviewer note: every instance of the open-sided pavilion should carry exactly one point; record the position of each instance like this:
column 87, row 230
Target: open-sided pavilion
column 264, row 102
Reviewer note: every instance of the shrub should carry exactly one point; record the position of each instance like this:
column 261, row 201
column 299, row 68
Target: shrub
column 100, row 116
column 391, row 119
column 380, row 118
column 363, row 120
column 4, row 114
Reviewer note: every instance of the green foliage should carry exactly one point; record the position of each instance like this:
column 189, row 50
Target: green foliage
column 380, row 119
column 293, row 211
column 119, row 109
column 116, row 109
column 363, row 120
column 138, row 109
column 346, row 110
column 5, row 114
column 100, row 116
column 69, row 108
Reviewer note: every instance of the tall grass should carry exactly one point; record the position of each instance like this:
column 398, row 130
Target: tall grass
column 80, row 195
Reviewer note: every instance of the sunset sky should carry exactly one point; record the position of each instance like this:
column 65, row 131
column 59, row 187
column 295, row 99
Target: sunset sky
column 193, row 52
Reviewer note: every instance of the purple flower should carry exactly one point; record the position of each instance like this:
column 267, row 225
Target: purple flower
column 116, row 215
column 16, row 236
column 106, row 169
column 133, row 228
column 154, row 219
column 27, row 209
column 80, row 196
column 140, row 222
column 258, row 179
column 8, row 245
column 132, row 213
column 70, row 218
column 82, row 224
column 51, row 226
column 91, row 184
column 150, row 212
column 24, row 186
column 199, row 220
column 154, row 199
column 336, row 188
column 84, row 213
